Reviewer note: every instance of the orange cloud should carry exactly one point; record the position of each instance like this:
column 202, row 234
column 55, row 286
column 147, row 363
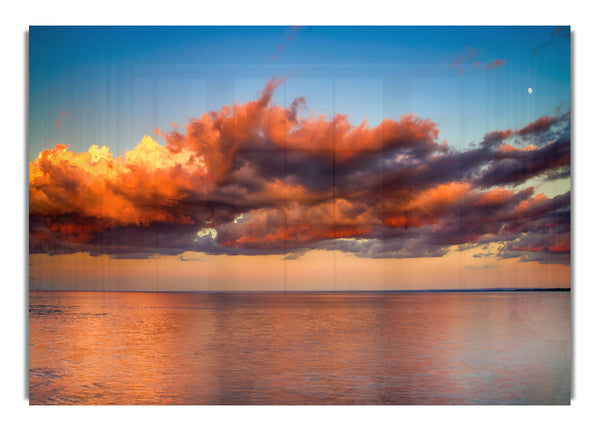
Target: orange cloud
column 468, row 54
column 427, row 207
column 507, row 148
column 257, row 178
column 136, row 189
column 496, row 197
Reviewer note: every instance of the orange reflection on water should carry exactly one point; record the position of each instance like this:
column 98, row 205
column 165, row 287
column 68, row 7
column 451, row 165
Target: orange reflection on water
column 299, row 348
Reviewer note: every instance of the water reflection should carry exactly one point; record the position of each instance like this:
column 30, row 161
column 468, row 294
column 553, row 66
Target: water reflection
column 291, row 348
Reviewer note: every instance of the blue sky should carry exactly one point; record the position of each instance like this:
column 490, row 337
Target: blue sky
column 113, row 85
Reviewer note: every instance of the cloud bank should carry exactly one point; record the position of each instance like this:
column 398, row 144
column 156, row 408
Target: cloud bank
column 255, row 178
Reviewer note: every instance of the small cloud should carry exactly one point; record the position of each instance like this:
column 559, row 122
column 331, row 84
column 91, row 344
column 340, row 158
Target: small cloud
column 493, row 64
column 479, row 268
column 294, row 256
column 61, row 116
column 556, row 32
column 189, row 259
column 468, row 54
column 290, row 35
column 174, row 125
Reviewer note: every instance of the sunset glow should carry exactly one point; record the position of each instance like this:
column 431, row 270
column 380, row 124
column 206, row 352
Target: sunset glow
column 268, row 193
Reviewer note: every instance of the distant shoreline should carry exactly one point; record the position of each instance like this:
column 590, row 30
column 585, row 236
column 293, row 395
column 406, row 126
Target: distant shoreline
column 492, row 290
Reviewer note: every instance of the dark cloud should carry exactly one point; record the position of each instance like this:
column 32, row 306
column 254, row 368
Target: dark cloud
column 547, row 247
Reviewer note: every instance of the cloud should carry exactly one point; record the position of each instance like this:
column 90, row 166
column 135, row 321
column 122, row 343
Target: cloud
column 257, row 179
column 61, row 116
column 479, row 268
column 290, row 34
column 493, row 64
column 554, row 34
column 467, row 55
column 539, row 247
column 181, row 258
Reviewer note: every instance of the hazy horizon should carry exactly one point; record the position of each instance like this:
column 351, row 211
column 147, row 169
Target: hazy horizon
column 441, row 290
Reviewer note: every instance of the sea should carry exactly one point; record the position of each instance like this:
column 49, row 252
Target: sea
column 299, row 348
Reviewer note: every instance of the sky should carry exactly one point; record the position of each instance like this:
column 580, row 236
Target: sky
column 299, row 158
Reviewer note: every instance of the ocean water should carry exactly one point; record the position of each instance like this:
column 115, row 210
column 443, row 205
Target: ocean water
column 299, row 348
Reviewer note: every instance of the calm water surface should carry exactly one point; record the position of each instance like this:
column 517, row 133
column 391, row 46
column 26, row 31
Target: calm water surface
column 299, row 348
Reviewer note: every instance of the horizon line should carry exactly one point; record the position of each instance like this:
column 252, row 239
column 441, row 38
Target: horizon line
column 494, row 289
